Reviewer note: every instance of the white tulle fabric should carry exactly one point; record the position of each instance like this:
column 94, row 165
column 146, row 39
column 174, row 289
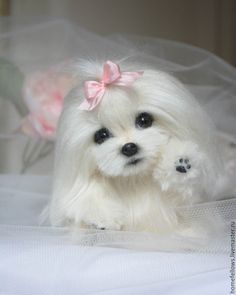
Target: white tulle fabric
column 39, row 259
column 46, row 260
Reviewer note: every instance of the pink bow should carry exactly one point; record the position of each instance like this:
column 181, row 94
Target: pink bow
column 94, row 90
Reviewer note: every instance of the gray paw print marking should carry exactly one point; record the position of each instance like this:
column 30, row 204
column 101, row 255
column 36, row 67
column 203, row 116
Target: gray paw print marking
column 183, row 165
column 93, row 225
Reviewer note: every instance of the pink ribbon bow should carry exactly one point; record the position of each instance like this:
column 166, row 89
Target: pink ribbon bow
column 112, row 75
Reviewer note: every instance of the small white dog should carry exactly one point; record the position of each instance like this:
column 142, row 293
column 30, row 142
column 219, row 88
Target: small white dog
column 130, row 149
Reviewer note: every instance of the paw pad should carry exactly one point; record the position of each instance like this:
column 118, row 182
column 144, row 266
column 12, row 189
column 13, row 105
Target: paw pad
column 183, row 165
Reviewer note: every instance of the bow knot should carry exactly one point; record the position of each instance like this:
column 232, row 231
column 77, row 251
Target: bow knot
column 94, row 90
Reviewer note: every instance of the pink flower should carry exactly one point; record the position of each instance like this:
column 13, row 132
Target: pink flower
column 44, row 94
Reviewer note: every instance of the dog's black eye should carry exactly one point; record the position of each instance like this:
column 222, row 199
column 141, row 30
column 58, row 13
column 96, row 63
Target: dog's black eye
column 143, row 120
column 101, row 135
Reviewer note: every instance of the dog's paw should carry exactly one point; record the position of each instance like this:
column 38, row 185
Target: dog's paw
column 180, row 169
column 105, row 225
column 95, row 226
column 183, row 165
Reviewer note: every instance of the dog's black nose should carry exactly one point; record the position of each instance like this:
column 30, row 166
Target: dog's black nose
column 129, row 149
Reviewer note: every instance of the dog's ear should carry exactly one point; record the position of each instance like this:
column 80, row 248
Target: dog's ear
column 69, row 181
column 72, row 168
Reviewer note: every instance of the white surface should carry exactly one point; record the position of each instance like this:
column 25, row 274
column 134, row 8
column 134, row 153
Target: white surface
column 38, row 268
column 39, row 260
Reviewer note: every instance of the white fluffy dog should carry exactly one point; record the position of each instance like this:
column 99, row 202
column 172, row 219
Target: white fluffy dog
column 133, row 153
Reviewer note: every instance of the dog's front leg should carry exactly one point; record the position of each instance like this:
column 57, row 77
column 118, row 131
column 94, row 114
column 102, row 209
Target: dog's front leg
column 98, row 207
column 181, row 169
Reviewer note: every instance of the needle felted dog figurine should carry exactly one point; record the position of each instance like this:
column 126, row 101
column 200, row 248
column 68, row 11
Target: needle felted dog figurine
column 131, row 147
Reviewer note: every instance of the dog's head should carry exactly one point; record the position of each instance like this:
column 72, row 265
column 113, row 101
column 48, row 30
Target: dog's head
column 125, row 134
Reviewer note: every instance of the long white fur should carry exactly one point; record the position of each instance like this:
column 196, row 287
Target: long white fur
column 93, row 186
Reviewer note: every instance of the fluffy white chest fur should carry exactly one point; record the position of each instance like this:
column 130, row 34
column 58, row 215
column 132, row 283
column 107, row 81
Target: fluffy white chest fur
column 128, row 163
